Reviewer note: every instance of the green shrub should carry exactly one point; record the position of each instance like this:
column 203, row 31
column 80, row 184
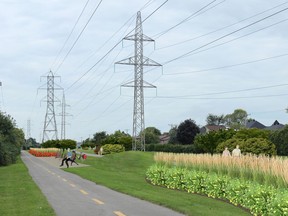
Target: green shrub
column 259, row 199
column 11, row 140
column 62, row 144
column 256, row 146
column 230, row 144
column 280, row 139
column 113, row 148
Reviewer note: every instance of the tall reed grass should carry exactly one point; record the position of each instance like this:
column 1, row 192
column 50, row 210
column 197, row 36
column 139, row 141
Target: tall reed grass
column 263, row 169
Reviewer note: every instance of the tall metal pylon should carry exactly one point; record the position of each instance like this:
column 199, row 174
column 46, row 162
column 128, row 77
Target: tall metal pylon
column 63, row 115
column 28, row 134
column 50, row 126
column 139, row 61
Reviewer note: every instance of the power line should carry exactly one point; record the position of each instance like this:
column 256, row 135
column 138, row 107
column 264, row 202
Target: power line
column 79, row 35
column 193, row 15
column 60, row 51
column 195, row 96
column 222, row 28
column 229, row 66
column 226, row 35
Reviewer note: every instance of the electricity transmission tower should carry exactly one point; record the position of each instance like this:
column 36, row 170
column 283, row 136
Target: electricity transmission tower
column 63, row 115
column 139, row 61
column 28, row 134
column 50, row 126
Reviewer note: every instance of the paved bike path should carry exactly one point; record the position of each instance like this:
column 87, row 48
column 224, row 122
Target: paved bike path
column 71, row 195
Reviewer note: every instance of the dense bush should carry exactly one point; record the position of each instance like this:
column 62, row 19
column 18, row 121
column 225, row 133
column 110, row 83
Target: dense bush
column 171, row 148
column 113, row 148
column 62, row 144
column 256, row 146
column 11, row 140
column 230, row 144
column 259, row 199
column 207, row 143
column 280, row 139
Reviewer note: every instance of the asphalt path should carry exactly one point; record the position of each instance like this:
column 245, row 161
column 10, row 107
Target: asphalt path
column 71, row 195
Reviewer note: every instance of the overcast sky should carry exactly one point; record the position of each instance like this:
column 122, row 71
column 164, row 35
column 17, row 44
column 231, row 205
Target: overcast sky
column 236, row 57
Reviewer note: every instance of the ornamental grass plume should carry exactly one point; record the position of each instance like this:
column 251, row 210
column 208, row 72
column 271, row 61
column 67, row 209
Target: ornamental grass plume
column 270, row 170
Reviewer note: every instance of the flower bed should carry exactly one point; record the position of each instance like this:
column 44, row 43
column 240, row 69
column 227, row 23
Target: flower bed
column 43, row 152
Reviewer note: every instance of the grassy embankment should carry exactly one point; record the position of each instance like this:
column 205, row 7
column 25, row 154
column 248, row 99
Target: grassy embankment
column 125, row 172
column 19, row 195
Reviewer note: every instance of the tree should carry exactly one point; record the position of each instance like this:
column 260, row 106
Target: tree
column 31, row 142
column 63, row 144
column 187, row 131
column 251, row 145
column 11, row 140
column 214, row 119
column 99, row 137
column 119, row 137
column 280, row 139
column 207, row 143
column 252, row 133
column 237, row 119
column 173, row 135
column 152, row 135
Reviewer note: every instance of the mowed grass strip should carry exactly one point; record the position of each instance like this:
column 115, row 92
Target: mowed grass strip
column 19, row 195
column 125, row 172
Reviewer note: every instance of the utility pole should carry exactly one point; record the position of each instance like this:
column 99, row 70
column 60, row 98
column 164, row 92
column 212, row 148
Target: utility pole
column 50, row 126
column 139, row 61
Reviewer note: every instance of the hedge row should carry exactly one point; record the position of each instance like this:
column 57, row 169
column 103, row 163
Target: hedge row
column 170, row 148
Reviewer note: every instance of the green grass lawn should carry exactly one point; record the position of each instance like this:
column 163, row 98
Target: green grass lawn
column 19, row 195
column 125, row 172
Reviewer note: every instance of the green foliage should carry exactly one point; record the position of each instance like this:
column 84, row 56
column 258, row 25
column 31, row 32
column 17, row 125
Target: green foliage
column 252, row 133
column 119, row 137
column 31, row 143
column 98, row 138
column 215, row 119
column 187, row 131
column 63, row 144
column 152, row 135
column 87, row 143
column 280, row 139
column 207, row 143
column 230, row 144
column 237, row 119
column 170, row 148
column 256, row 146
column 11, row 140
column 113, row 148
column 259, row 199
column 173, row 135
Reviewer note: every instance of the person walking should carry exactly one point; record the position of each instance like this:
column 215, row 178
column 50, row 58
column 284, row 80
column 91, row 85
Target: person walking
column 66, row 159
column 73, row 158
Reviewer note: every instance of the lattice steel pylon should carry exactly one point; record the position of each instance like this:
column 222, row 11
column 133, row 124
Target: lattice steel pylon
column 139, row 61
column 63, row 115
column 50, row 126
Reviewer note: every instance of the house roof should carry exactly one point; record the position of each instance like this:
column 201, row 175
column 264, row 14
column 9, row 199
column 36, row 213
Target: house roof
column 275, row 126
column 255, row 124
column 208, row 128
